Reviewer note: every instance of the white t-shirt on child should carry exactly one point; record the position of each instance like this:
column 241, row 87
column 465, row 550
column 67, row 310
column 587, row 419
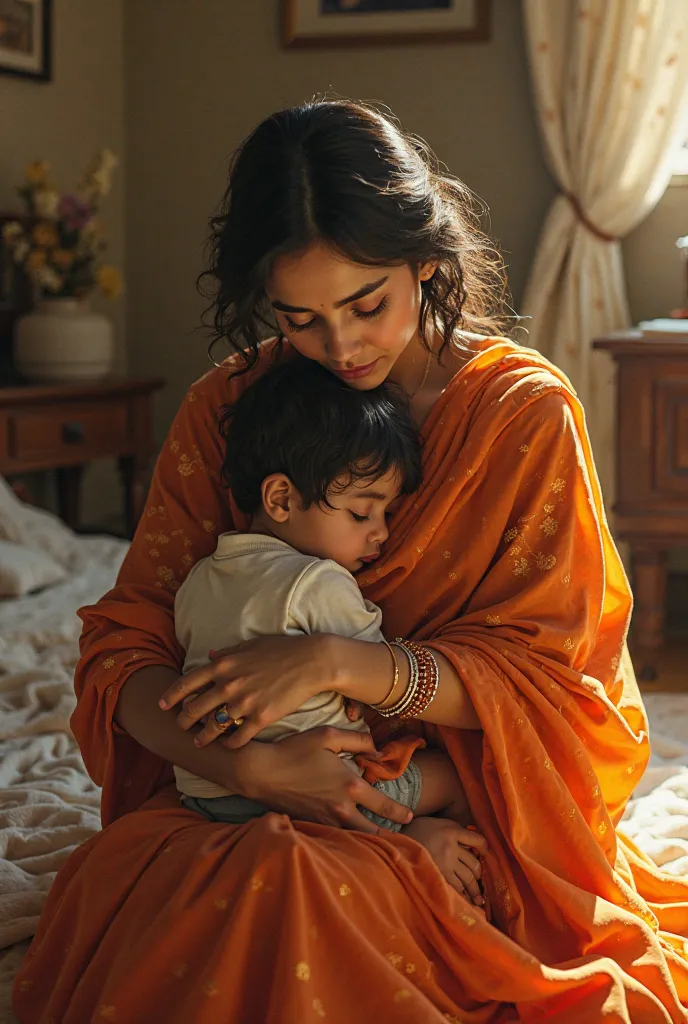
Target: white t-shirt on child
column 254, row 585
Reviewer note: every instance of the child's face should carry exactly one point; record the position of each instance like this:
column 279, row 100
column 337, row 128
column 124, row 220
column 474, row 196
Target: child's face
column 352, row 531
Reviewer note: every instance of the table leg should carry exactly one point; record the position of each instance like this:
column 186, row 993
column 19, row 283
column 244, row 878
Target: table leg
column 649, row 579
column 133, row 474
column 69, row 494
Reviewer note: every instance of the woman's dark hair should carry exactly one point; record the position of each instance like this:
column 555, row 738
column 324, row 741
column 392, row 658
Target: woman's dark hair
column 301, row 420
column 341, row 172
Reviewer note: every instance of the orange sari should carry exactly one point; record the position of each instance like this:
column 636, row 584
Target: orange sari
column 504, row 563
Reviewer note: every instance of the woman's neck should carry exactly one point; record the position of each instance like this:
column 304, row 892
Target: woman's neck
column 423, row 376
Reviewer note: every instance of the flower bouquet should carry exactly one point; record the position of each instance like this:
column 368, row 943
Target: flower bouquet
column 60, row 242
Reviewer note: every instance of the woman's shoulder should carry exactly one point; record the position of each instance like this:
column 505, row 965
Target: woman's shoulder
column 502, row 387
column 501, row 370
column 225, row 381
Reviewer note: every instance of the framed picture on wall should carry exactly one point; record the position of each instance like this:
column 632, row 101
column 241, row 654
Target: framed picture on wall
column 321, row 23
column 25, row 43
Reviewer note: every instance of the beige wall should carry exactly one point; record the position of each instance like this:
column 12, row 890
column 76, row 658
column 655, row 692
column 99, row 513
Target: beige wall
column 654, row 272
column 66, row 121
column 200, row 76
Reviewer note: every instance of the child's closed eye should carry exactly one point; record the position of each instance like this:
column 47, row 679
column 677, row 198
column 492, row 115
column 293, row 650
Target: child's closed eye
column 359, row 519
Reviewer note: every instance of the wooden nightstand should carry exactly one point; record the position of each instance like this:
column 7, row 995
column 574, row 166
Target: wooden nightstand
column 651, row 510
column 65, row 426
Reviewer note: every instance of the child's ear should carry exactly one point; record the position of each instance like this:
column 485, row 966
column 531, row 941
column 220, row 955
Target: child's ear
column 278, row 497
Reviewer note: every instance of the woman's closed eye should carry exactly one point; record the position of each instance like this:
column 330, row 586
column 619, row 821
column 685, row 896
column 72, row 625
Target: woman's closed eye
column 362, row 314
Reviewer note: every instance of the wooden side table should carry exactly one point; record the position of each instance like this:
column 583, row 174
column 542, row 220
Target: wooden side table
column 651, row 511
column 63, row 427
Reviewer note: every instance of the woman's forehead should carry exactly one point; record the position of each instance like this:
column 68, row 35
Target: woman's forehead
column 319, row 276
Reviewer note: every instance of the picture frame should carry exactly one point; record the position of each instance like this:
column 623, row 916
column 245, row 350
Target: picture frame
column 26, row 39
column 335, row 23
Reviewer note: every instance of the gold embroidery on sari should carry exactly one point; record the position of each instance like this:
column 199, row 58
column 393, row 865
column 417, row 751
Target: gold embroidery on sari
column 549, row 526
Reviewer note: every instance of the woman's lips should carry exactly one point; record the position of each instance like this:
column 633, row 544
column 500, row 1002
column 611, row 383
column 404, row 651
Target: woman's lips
column 357, row 371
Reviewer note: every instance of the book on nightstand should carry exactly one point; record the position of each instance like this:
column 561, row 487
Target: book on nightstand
column 664, row 326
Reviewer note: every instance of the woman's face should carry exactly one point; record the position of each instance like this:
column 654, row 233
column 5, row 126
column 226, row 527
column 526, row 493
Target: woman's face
column 354, row 320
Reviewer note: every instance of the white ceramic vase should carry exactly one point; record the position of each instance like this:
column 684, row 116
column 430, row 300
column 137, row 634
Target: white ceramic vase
column 62, row 340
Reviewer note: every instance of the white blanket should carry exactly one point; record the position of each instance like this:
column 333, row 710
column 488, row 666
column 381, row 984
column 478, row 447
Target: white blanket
column 48, row 805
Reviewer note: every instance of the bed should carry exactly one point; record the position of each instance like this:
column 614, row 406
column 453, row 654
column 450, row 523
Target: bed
column 48, row 805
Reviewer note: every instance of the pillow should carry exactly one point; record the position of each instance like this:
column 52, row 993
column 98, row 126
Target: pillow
column 23, row 570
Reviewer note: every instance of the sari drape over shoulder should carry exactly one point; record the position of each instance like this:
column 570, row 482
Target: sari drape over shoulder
column 503, row 562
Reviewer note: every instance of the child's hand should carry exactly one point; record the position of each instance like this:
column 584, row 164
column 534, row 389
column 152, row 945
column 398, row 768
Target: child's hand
column 450, row 846
column 353, row 709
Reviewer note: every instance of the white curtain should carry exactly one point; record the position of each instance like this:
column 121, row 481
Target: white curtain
column 610, row 79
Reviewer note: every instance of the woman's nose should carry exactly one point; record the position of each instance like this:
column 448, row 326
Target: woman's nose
column 342, row 344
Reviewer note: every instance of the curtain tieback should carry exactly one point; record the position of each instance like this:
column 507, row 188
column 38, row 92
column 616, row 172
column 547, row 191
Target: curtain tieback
column 585, row 220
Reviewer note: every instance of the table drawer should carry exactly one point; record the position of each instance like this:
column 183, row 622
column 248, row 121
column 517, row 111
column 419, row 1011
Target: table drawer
column 671, row 437
column 69, row 432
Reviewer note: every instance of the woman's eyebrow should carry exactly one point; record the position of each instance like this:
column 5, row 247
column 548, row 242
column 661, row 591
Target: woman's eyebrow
column 283, row 307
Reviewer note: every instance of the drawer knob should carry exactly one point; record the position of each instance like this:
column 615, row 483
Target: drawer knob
column 72, row 433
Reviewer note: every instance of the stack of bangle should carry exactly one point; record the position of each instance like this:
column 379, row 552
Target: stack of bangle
column 424, row 679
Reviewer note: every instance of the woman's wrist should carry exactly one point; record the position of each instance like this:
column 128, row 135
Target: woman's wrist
column 362, row 670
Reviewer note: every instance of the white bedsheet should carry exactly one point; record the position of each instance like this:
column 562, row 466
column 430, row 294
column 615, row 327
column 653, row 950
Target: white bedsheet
column 48, row 805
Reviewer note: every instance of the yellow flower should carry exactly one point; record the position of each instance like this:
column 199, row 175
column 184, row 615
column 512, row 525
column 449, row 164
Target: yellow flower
column 110, row 282
column 45, row 235
column 63, row 258
column 37, row 172
column 35, row 260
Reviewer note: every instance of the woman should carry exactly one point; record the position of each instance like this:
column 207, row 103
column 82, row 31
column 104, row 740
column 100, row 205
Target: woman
column 345, row 230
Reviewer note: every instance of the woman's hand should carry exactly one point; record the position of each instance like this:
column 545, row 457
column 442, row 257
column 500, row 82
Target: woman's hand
column 302, row 776
column 260, row 681
column 450, row 847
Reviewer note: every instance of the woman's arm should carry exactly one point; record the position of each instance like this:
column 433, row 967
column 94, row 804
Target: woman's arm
column 265, row 679
column 138, row 713
column 301, row 776
column 364, row 671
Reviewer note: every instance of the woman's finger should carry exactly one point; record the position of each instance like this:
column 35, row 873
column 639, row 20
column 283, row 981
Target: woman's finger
column 213, row 729
column 344, row 741
column 197, row 681
column 384, row 806
column 206, row 704
column 239, row 736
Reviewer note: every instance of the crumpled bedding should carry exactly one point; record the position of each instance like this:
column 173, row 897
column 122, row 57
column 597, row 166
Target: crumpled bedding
column 48, row 804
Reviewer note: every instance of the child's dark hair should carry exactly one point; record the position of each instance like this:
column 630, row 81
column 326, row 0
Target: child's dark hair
column 342, row 172
column 301, row 420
